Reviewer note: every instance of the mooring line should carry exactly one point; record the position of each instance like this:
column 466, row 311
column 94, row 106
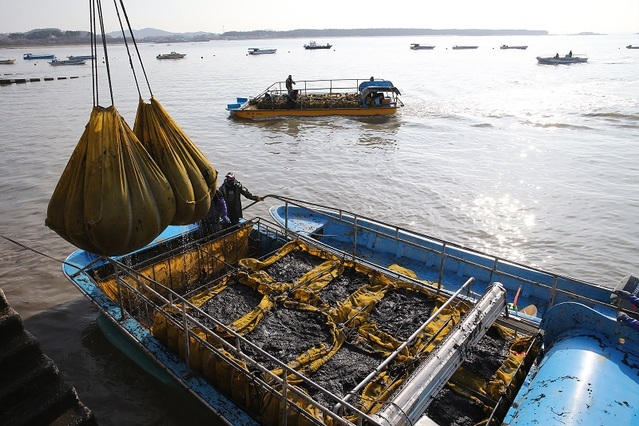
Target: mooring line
column 26, row 247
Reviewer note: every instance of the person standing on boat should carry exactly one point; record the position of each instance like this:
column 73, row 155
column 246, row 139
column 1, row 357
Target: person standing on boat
column 232, row 190
column 289, row 84
column 217, row 217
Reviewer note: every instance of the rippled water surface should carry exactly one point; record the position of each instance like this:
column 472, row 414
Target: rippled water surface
column 534, row 163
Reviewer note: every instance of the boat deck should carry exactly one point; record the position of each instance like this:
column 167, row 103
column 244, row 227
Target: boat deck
column 312, row 98
column 350, row 338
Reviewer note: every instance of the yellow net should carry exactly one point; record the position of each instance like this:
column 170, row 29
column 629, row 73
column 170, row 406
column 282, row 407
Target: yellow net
column 340, row 320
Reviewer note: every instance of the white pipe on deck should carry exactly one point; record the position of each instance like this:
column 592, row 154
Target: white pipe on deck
column 410, row 403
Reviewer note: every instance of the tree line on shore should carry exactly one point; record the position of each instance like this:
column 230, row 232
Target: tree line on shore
column 55, row 36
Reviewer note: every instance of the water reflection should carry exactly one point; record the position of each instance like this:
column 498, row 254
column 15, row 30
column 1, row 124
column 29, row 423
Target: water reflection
column 502, row 225
column 379, row 132
column 365, row 131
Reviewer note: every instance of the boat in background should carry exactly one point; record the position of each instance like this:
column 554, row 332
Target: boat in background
column 64, row 62
column 456, row 47
column 630, row 46
column 505, row 47
column 7, row 61
column 314, row 46
column 82, row 57
column 318, row 98
column 567, row 59
column 259, row 51
column 417, row 46
column 32, row 56
column 172, row 55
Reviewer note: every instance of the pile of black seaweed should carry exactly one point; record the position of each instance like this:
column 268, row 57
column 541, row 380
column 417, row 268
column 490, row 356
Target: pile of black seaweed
column 401, row 312
column 232, row 303
column 292, row 266
column 343, row 286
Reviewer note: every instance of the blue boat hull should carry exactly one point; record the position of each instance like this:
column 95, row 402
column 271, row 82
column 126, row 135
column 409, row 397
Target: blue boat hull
column 442, row 262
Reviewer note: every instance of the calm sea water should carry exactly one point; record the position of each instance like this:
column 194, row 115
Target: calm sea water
column 534, row 163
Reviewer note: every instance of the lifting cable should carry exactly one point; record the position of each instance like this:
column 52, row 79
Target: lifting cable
column 96, row 7
column 137, row 51
column 97, row 21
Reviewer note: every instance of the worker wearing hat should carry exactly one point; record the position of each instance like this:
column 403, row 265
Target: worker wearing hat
column 232, row 190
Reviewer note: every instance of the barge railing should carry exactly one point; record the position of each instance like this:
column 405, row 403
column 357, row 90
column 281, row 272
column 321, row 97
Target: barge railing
column 143, row 297
column 444, row 250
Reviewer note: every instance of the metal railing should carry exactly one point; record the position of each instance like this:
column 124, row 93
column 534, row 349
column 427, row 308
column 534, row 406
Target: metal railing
column 495, row 266
column 143, row 299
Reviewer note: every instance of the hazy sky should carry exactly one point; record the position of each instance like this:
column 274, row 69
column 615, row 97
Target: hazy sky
column 555, row 16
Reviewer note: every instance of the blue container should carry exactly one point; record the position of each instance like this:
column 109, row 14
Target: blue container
column 588, row 375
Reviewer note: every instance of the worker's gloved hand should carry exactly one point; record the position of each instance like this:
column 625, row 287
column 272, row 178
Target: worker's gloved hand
column 623, row 294
column 226, row 220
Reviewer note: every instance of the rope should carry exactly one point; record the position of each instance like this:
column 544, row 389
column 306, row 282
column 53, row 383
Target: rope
column 128, row 52
column 94, row 62
column 97, row 5
column 26, row 247
column 137, row 51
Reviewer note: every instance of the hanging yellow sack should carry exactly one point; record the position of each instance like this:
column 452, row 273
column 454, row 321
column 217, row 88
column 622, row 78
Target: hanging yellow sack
column 111, row 198
column 190, row 174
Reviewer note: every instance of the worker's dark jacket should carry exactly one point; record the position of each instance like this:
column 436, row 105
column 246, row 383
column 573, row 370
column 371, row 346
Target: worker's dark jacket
column 232, row 195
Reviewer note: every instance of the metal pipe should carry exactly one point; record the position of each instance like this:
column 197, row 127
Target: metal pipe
column 410, row 403
column 391, row 357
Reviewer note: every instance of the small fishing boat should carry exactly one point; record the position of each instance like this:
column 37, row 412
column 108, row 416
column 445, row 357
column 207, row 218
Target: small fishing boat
column 316, row 98
column 32, row 56
column 172, row 55
column 314, row 46
column 260, row 51
column 375, row 325
column 82, row 57
column 505, row 47
column 456, row 47
column 630, row 46
column 7, row 61
column 417, row 46
column 567, row 59
column 63, row 62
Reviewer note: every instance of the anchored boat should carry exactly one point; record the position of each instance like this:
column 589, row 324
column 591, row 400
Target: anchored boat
column 506, row 47
column 82, row 57
column 312, row 45
column 30, row 56
column 417, row 46
column 63, row 62
column 374, row 325
column 260, row 51
column 316, row 98
column 567, row 59
column 172, row 55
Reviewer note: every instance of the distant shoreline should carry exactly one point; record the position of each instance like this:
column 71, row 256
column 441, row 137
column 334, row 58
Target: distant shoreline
column 48, row 38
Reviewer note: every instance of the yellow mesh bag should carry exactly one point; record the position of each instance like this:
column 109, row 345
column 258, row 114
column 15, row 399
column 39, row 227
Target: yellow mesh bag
column 111, row 198
column 188, row 171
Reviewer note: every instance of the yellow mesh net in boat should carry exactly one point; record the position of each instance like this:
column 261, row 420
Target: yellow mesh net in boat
column 349, row 327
